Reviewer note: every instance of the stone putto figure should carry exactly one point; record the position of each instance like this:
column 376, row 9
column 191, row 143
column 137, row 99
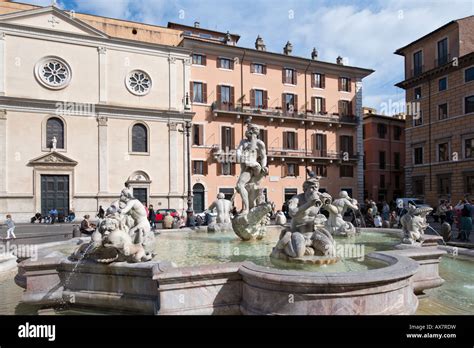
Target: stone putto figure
column 123, row 235
column 414, row 224
column 307, row 235
column 252, row 155
column 336, row 223
column 224, row 208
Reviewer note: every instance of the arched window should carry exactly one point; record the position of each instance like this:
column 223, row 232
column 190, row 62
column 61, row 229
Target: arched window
column 55, row 129
column 139, row 138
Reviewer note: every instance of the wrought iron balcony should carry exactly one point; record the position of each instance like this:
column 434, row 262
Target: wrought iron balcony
column 279, row 115
column 442, row 60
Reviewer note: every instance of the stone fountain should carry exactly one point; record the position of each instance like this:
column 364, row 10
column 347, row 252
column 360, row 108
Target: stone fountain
column 123, row 235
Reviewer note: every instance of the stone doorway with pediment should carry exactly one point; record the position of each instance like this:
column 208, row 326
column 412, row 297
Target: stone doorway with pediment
column 53, row 175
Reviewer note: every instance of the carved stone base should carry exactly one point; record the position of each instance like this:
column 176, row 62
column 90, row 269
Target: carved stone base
column 252, row 225
column 307, row 259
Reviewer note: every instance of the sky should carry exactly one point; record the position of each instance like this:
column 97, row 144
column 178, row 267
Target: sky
column 365, row 33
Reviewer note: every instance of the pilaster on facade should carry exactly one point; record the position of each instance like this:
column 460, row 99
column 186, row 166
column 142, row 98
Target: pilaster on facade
column 360, row 140
column 103, row 157
column 102, row 74
column 186, row 77
column 3, row 152
column 2, row 63
column 173, row 157
column 172, row 83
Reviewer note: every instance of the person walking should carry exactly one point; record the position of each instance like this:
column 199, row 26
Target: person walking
column 101, row 213
column 10, row 227
column 152, row 217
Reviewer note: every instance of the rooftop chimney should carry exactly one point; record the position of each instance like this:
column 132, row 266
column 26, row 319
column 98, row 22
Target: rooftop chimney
column 259, row 44
column 196, row 24
column 314, row 54
column 288, row 48
column 339, row 60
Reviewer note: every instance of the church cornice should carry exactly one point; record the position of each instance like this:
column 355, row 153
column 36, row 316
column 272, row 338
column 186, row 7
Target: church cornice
column 99, row 110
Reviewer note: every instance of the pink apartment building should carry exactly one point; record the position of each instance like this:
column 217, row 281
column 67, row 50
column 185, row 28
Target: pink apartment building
column 309, row 113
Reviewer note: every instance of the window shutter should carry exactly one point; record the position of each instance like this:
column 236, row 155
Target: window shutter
column 191, row 90
column 265, row 99
column 201, row 134
column 295, row 77
column 351, row 145
column 232, row 138
column 252, row 68
column 204, row 93
column 340, row 84
column 295, row 102
column 313, row 141
column 283, row 102
column 265, row 135
column 203, row 60
column 313, row 76
column 349, row 85
column 231, row 64
column 339, row 107
column 285, row 140
column 283, row 76
column 252, row 98
column 219, row 168
column 297, row 169
column 350, row 112
column 323, row 104
column 284, row 170
column 219, row 97
column 323, row 81
column 232, row 97
column 204, row 167
column 218, row 62
column 313, row 105
column 296, row 141
column 232, row 168
column 264, row 70
column 324, row 149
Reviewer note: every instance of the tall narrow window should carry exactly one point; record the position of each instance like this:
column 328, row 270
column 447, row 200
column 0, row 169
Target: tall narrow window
column 55, row 129
column 469, row 104
column 258, row 98
column 319, row 105
column 139, row 138
column 443, row 111
column 396, row 161
column 198, row 92
column 442, row 52
column 345, row 84
column 418, row 155
column 347, row 144
column 289, row 76
column 381, row 159
column 318, row 81
column 443, row 84
column 417, row 63
column 443, row 152
column 469, row 74
column 469, row 148
column 397, row 132
column 381, row 130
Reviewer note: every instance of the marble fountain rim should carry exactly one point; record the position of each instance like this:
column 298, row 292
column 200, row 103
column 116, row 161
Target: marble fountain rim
column 398, row 268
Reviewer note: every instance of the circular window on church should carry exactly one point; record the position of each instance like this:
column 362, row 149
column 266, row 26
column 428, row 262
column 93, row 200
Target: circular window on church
column 53, row 72
column 138, row 82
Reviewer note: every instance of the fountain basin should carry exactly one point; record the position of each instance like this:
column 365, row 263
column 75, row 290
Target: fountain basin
column 380, row 291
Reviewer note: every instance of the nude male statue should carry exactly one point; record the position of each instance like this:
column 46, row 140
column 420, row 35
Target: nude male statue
column 252, row 156
column 223, row 207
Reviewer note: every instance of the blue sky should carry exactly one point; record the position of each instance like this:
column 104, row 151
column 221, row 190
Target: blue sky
column 365, row 32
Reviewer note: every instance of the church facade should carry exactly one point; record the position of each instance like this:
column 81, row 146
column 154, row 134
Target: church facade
column 83, row 112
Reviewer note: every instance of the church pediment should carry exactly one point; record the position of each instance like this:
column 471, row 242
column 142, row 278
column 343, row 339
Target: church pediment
column 53, row 159
column 51, row 18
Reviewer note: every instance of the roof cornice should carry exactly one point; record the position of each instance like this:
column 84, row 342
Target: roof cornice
column 273, row 58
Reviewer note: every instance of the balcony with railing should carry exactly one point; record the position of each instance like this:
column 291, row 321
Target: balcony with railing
column 276, row 152
column 442, row 60
column 417, row 70
column 279, row 115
